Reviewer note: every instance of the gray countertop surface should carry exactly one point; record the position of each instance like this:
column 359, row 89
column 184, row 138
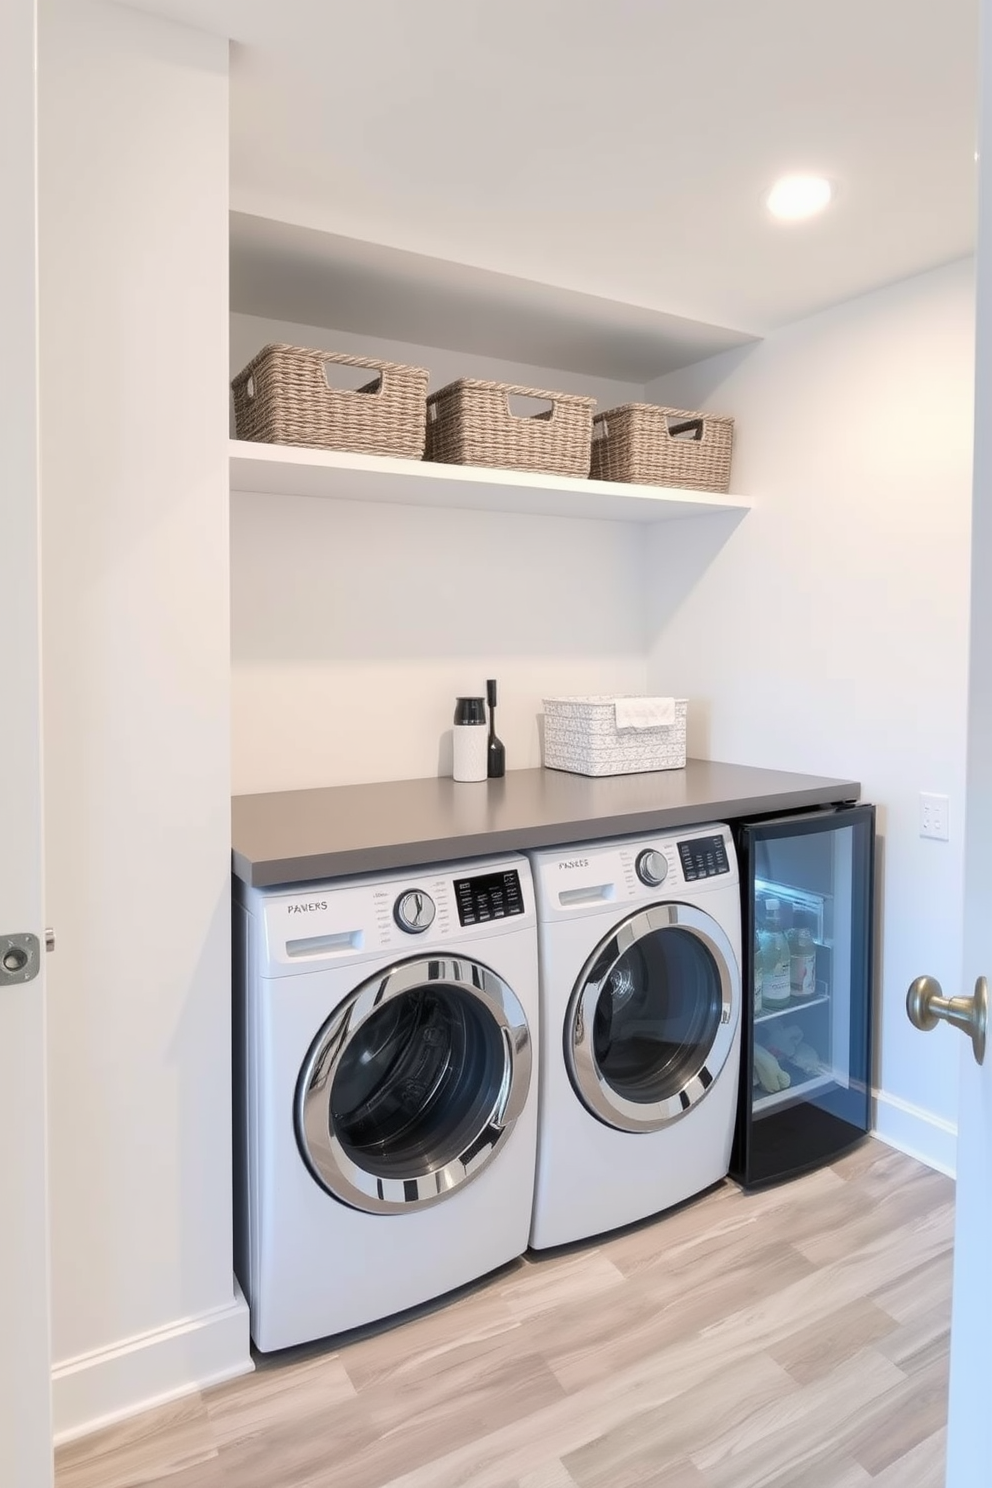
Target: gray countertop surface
column 293, row 837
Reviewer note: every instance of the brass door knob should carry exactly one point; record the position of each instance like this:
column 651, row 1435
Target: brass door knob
column 927, row 1006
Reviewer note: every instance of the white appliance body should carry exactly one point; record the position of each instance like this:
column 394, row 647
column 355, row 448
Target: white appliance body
column 386, row 1085
column 641, row 1027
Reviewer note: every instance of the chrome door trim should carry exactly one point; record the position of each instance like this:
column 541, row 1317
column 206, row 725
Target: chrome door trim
column 320, row 1147
column 587, row 1078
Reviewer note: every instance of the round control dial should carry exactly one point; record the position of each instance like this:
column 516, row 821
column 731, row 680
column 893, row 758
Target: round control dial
column 652, row 868
column 414, row 911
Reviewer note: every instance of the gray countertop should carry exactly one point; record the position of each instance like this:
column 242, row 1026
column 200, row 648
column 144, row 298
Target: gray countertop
column 291, row 837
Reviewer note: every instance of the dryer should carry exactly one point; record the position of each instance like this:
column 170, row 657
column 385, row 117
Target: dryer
column 639, row 947
column 386, row 1091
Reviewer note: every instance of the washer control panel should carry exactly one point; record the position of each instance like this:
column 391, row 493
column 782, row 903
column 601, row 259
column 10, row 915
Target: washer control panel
column 488, row 896
column 703, row 857
column 344, row 921
column 414, row 911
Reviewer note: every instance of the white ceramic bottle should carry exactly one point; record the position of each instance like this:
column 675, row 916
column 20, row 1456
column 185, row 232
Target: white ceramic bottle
column 469, row 740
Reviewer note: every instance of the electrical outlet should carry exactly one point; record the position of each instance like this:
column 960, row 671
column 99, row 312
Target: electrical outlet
column 933, row 816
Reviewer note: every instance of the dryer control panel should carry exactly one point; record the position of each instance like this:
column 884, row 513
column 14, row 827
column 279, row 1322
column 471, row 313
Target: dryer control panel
column 633, row 870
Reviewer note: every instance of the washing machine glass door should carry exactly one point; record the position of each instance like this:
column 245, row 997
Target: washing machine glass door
column 652, row 1018
column 413, row 1084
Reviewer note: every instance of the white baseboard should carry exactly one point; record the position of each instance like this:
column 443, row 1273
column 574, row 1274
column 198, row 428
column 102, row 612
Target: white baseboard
column 109, row 1384
column 918, row 1133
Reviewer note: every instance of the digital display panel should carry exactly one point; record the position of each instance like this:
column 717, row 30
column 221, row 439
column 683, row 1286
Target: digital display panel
column 489, row 896
column 703, row 857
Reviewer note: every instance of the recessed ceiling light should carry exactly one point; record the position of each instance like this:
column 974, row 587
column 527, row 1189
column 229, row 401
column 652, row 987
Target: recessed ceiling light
column 795, row 197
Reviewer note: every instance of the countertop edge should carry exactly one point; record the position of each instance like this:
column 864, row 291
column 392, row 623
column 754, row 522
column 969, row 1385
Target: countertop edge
column 292, row 870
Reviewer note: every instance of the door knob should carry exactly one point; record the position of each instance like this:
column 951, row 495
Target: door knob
column 927, row 1006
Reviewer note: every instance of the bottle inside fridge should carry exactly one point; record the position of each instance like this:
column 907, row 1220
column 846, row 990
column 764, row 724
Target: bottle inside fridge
column 802, row 958
column 775, row 958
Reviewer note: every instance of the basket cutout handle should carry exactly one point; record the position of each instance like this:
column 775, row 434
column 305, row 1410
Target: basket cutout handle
column 343, row 377
column 685, row 429
column 600, row 428
column 521, row 406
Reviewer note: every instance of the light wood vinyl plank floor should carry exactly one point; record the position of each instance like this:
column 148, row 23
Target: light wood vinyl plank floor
column 795, row 1338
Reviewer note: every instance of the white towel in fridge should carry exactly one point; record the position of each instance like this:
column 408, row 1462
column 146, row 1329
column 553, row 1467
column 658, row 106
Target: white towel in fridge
column 644, row 712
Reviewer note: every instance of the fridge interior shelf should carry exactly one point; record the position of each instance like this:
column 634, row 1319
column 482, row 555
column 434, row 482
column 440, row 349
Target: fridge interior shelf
column 794, row 1005
column 762, row 1104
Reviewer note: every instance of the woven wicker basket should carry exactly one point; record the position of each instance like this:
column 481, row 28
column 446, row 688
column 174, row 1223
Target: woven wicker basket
column 283, row 397
column 581, row 736
column 650, row 446
column 469, row 423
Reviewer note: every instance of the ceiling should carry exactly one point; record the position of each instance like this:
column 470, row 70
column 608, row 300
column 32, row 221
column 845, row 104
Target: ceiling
column 616, row 152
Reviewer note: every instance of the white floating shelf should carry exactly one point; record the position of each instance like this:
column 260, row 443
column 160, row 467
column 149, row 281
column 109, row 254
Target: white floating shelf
column 285, row 470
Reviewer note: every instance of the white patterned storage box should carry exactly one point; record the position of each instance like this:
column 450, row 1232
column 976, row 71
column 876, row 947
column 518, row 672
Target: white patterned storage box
column 614, row 735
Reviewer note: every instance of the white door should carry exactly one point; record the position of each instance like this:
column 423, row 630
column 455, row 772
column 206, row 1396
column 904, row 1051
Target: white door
column 25, row 1362
column 969, row 1453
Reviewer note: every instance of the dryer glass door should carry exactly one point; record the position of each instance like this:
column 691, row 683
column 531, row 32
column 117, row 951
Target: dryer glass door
column 652, row 1018
column 413, row 1084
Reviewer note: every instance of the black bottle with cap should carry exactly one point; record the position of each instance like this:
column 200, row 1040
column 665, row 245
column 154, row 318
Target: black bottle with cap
column 495, row 753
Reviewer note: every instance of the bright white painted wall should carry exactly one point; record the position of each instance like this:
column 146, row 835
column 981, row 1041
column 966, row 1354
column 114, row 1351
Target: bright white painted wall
column 832, row 635
column 354, row 626
column 133, row 163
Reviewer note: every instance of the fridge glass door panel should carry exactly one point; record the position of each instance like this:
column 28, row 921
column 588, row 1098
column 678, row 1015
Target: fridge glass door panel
column 808, row 921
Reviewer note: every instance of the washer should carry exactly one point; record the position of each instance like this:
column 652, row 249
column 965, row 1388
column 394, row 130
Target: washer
column 386, row 1091
column 640, row 943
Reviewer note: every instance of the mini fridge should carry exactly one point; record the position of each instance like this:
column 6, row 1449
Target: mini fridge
column 807, row 885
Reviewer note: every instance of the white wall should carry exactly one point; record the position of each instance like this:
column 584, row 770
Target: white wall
column 832, row 635
column 133, row 167
column 354, row 626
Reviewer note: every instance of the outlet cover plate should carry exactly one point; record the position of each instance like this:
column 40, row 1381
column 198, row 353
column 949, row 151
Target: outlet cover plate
column 934, row 816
